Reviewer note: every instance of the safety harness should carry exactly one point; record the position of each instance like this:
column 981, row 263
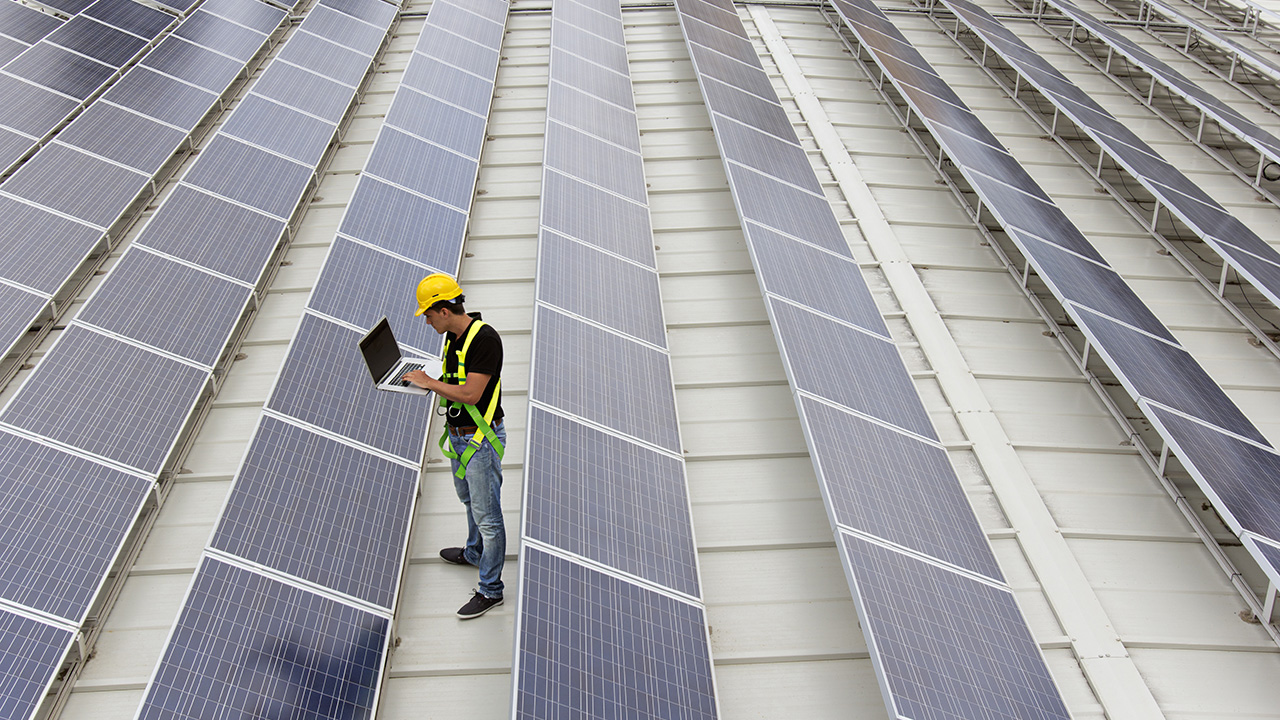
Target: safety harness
column 483, row 429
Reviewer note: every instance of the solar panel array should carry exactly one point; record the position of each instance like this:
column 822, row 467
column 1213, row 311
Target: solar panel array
column 317, row 522
column 1226, row 454
column 66, row 203
column 1195, row 35
column 942, row 625
column 611, row 615
column 99, row 419
column 20, row 28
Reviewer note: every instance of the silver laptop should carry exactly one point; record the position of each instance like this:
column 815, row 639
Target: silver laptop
column 386, row 364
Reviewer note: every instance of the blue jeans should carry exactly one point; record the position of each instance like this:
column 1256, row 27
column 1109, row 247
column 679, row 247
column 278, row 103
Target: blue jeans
column 481, row 492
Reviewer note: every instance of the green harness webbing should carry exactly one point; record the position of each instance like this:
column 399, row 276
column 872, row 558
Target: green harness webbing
column 483, row 429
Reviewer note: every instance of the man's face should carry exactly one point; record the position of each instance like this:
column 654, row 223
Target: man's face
column 435, row 318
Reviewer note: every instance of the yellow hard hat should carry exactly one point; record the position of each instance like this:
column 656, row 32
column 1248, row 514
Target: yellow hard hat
column 434, row 288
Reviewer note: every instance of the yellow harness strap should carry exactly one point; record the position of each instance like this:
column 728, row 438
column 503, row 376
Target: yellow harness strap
column 483, row 429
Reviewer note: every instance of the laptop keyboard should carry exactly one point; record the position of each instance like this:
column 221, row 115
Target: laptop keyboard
column 408, row 368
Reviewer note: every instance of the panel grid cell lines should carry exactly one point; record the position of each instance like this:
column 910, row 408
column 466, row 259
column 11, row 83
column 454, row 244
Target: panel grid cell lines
column 21, row 27
column 1239, row 246
column 1156, row 371
column 887, row 480
column 605, row 486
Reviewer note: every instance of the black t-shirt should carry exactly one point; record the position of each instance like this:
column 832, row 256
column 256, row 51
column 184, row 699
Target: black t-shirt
column 484, row 356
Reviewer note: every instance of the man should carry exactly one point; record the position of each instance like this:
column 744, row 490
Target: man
column 471, row 390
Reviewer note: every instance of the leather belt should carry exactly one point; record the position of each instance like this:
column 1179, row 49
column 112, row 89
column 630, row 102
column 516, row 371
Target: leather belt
column 461, row 431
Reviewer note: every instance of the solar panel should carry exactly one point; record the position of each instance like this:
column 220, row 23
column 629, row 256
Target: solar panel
column 245, row 644
column 31, row 109
column 732, row 72
column 584, row 16
column 24, row 309
column 221, row 35
column 48, row 182
column 28, row 258
column 768, row 155
column 26, row 24
column 371, row 11
column 459, row 51
column 127, row 404
column 746, row 108
column 618, row 225
column 251, row 176
column 234, row 240
column 60, row 70
column 319, row 510
column 347, row 399
column 459, row 21
column 404, row 223
column 126, row 137
column 571, row 106
column 720, row 40
column 131, row 17
column 70, row 7
column 440, row 123
column 786, row 209
column 160, row 97
column 195, row 64
column 423, row 168
column 580, row 73
column 594, row 161
column 651, row 659
column 280, row 129
column 323, row 56
column 364, row 285
column 305, row 91
column 63, row 519
column 9, row 48
column 603, row 50
column 428, row 75
column 97, row 40
column 30, row 653
column 342, row 28
column 251, row 13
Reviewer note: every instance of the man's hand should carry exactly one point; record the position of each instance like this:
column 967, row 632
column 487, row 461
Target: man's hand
column 417, row 377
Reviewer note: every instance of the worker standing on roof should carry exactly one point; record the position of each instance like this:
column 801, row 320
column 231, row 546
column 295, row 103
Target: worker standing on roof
column 470, row 390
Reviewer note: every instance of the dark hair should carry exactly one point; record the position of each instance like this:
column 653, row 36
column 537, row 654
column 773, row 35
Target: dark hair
column 454, row 306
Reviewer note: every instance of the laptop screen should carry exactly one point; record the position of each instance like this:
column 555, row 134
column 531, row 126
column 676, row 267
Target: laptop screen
column 381, row 352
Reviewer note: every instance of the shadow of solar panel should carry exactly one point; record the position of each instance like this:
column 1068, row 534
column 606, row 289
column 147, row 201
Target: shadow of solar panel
column 1242, row 476
column 31, row 653
column 455, row 19
column 127, row 404
column 30, row 109
column 767, row 201
column 569, row 277
column 829, row 284
column 896, row 487
column 459, row 52
column 280, row 129
column 187, row 61
column 730, row 43
column 371, row 11
column 131, row 17
column 767, row 154
column 605, row 378
column 750, row 110
column 305, row 91
column 224, row 36
column 146, row 299
column 605, row 50
column 70, row 7
column 319, row 55
column 587, row 77
column 78, row 184
column 325, row 382
column 948, row 646
column 597, row 217
column 595, row 161
column 250, row 13
column 1164, row 373
column 344, row 29
column 96, row 40
column 405, row 224
column 319, row 510
column 573, row 107
column 589, row 640
column 26, row 24
column 360, row 286
column 433, row 120
column 213, row 233
column 251, row 176
column 23, row 309
column 1018, row 211
column 60, row 70
column 63, row 520
column 245, row 645
column 123, row 136
column 423, row 168
column 746, row 77
column 433, row 77
column 160, row 97
column 27, row 254
column 849, row 367
column 610, row 500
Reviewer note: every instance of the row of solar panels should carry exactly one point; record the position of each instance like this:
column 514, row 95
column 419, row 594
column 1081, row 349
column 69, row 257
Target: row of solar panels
column 113, row 396
column 289, row 613
column 1227, row 455
column 610, row 616
column 73, row 7
column 21, row 27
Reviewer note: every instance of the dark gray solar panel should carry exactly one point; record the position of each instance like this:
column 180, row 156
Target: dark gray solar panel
column 344, row 29
column 232, row 240
column 463, row 89
column 373, row 12
column 100, row 42
column 787, row 209
column 23, row 310
column 63, row 519
column 746, row 108
column 31, row 109
column 724, row 18
column 254, row 177
column 974, row 658
column 60, row 70
column 70, row 7
column 13, row 146
column 128, row 138
column 245, row 645
column 131, row 17
column 305, row 91
column 252, row 13
column 423, row 168
column 224, row 36
column 26, row 255
column 321, row 511
column 431, row 119
column 584, row 16
column 404, row 223
column 10, row 49
column 569, row 274
column 197, row 65
column 26, row 23
column 724, row 42
column 605, row 51
column 589, row 640
column 146, row 298
column 58, row 177
column 346, row 403
column 280, row 129
column 459, row 52
column 582, row 74
column 605, row 378
column 613, row 223
column 320, row 55
column 178, row 5
column 160, row 97
column 126, row 404
column 610, row 500
column 595, row 161
column 593, row 115
column 30, row 653
column 768, row 155
column 743, row 76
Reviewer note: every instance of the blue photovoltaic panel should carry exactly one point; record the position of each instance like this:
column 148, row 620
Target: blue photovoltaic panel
column 254, row 177
column 63, row 519
column 495, row 10
column 30, row 653
column 373, row 12
column 605, row 378
column 190, row 62
column 590, row 114
column 57, row 177
column 319, row 510
column 584, row 75
column 305, row 91
column 126, row 137
column 362, row 285
column 61, row 70
column 404, row 223
column 595, row 161
column 896, row 487
column 131, row 17
column 1269, row 552
column 434, row 78
column 949, row 646
column 423, row 168
column 280, row 129
column 591, row 641
column 614, row 224
column 31, row 109
column 582, row 15
column 433, row 120
column 222, row 35
column 459, row 52
column 233, row 240
column 147, row 298
column 604, row 50
column 326, row 383
column 10, row 49
column 25, row 23
column 70, row 7
column 344, row 29
column 787, row 209
column 250, row 13
column 453, row 17
column 569, row 274
column 23, row 309
column 859, row 371
column 323, row 56
column 160, row 97
column 610, row 500
column 26, row 255
column 246, row 645
column 126, row 404
column 98, row 41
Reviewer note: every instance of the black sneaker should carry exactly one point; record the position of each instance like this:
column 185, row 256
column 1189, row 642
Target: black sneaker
column 477, row 606
column 454, row 556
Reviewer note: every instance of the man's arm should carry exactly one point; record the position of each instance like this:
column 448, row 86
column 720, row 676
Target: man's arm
column 468, row 393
